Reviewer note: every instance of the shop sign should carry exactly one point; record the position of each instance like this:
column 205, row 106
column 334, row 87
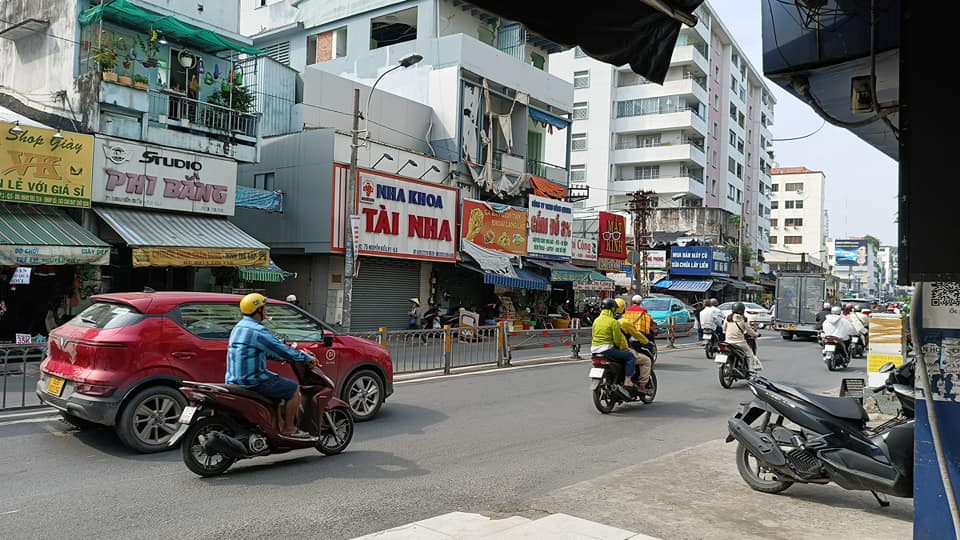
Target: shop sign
column 494, row 226
column 613, row 236
column 200, row 257
column 22, row 339
column 584, row 249
column 594, row 285
column 721, row 262
column 53, row 255
column 551, row 229
column 609, row 265
column 406, row 219
column 37, row 167
column 656, row 258
column 691, row 260
column 21, row 276
column 132, row 174
column 850, row 252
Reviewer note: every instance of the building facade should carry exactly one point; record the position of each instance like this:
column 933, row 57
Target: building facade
column 700, row 140
column 798, row 217
column 856, row 262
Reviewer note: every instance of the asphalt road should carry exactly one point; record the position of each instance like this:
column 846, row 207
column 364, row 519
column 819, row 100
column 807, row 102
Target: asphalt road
column 478, row 442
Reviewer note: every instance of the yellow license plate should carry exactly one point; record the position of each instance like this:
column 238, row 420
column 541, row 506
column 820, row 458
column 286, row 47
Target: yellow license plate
column 55, row 386
column 791, row 327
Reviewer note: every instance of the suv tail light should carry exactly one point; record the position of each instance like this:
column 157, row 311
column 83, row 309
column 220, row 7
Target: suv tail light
column 97, row 390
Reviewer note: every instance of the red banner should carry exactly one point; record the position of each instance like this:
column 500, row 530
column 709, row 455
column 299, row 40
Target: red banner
column 613, row 236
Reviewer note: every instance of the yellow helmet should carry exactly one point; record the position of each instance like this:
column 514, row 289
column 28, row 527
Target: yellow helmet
column 621, row 306
column 250, row 303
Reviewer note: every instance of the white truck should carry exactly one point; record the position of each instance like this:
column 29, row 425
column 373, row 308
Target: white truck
column 799, row 298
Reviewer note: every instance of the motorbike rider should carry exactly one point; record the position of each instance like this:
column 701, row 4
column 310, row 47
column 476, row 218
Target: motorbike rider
column 250, row 344
column 737, row 330
column 838, row 327
column 627, row 325
column 850, row 314
column 608, row 340
column 823, row 315
column 712, row 318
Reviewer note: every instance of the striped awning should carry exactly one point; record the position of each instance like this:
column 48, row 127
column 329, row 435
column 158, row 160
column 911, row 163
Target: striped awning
column 525, row 279
column 39, row 234
column 165, row 239
column 267, row 274
column 690, row 285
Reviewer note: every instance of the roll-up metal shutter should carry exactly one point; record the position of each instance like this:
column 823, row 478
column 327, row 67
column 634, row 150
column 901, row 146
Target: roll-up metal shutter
column 381, row 293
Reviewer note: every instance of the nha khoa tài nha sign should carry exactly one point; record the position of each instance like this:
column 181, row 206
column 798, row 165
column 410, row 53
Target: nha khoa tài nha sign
column 406, row 218
column 37, row 166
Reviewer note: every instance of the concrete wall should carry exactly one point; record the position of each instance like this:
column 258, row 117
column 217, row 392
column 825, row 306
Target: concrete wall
column 220, row 14
column 708, row 222
column 35, row 66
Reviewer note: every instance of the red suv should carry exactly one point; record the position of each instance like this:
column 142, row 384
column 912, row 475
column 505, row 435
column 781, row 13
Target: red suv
column 119, row 362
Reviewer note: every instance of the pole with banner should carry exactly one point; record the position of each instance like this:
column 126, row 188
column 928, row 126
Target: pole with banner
column 355, row 231
column 351, row 194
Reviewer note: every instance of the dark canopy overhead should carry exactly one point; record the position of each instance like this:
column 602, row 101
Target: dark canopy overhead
column 617, row 33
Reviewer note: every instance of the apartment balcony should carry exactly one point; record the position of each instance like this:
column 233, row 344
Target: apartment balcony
column 675, row 121
column 693, row 86
column 679, row 185
column 690, row 55
column 630, row 154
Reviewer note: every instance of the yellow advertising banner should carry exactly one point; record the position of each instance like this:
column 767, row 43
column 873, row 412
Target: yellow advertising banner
column 37, row 166
column 876, row 361
column 170, row 256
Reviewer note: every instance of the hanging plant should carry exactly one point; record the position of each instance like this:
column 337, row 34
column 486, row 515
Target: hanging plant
column 216, row 72
column 208, row 79
column 186, row 59
column 200, row 69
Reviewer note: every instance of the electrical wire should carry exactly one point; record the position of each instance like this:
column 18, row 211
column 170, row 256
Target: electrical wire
column 812, row 133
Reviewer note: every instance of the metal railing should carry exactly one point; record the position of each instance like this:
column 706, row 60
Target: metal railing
column 170, row 108
column 19, row 373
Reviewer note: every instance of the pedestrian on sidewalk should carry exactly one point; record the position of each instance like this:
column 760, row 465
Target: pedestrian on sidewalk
column 413, row 315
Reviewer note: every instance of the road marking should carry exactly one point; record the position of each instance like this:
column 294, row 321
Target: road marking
column 41, row 412
column 8, row 512
column 29, row 421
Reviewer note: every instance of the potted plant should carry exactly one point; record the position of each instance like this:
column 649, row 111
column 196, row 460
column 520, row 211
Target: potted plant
column 106, row 60
column 140, row 82
column 238, row 99
column 150, row 48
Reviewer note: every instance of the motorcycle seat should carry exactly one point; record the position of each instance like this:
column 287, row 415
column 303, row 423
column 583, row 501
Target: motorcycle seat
column 234, row 389
column 847, row 408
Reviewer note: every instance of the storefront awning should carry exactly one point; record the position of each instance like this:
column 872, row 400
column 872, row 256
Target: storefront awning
column 689, row 285
column 165, row 239
column 39, row 234
column 547, row 118
column 562, row 271
column 595, row 282
column 270, row 273
column 737, row 284
column 525, row 279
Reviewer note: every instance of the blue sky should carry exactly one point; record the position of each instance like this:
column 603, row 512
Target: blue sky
column 861, row 181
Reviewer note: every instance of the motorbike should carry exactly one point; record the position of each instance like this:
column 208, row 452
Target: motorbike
column 711, row 343
column 732, row 364
column 826, row 439
column 650, row 349
column 607, row 376
column 433, row 319
column 835, row 354
column 858, row 346
column 223, row 423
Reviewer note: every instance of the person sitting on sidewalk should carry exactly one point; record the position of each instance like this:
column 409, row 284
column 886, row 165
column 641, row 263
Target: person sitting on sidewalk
column 738, row 332
column 644, row 364
column 608, row 340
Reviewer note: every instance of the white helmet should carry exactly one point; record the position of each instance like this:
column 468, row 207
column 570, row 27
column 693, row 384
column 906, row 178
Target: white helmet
column 636, row 299
column 291, row 298
column 835, row 310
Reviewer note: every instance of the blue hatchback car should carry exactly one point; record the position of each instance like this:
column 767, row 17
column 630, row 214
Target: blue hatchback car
column 661, row 308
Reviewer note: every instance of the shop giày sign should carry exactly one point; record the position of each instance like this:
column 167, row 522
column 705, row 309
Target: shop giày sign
column 406, row 219
column 132, row 174
column 37, row 166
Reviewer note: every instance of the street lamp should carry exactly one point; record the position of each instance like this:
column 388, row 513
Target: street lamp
column 385, row 156
column 432, row 168
column 409, row 162
column 349, row 219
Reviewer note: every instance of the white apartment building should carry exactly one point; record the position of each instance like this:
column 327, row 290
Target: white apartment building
column 887, row 257
column 466, row 53
column 701, row 139
column 798, row 223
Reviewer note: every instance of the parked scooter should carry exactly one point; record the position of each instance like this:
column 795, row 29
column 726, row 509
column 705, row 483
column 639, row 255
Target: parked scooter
column 433, row 319
column 223, row 422
column 827, row 439
column 835, row 353
column 607, row 377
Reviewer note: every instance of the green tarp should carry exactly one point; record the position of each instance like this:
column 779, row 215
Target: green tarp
column 131, row 16
column 269, row 274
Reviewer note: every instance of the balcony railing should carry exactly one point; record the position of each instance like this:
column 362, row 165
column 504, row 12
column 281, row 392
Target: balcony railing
column 176, row 109
column 550, row 171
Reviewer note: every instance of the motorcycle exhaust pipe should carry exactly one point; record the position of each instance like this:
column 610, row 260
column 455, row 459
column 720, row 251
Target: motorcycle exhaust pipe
column 218, row 443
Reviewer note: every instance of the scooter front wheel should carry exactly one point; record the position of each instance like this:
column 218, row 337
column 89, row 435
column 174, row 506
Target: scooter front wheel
column 336, row 437
column 196, row 457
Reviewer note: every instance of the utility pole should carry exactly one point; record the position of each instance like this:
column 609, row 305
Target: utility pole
column 348, row 210
column 641, row 207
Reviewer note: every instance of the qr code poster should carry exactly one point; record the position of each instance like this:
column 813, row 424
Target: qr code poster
column 941, row 304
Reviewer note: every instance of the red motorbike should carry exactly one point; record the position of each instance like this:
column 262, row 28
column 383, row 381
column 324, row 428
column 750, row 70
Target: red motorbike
column 223, row 422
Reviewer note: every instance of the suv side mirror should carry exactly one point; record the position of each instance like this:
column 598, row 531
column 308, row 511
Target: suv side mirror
column 327, row 341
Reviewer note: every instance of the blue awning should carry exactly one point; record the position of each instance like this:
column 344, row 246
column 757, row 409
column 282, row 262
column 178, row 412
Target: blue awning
column 525, row 279
column 548, row 118
column 690, row 285
column 662, row 284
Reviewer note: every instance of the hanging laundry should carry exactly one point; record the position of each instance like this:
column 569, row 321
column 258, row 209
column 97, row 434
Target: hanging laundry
column 506, row 126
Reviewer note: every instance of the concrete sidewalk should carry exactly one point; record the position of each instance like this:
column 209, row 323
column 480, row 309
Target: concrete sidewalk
column 698, row 493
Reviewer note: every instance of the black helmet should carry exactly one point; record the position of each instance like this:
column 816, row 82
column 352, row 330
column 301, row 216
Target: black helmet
column 739, row 308
column 609, row 303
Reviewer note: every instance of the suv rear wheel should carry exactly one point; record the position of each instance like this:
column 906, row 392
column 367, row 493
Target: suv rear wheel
column 150, row 418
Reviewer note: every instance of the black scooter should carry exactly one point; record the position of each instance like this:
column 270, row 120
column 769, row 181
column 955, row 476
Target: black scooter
column 711, row 343
column 827, row 439
column 607, row 377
